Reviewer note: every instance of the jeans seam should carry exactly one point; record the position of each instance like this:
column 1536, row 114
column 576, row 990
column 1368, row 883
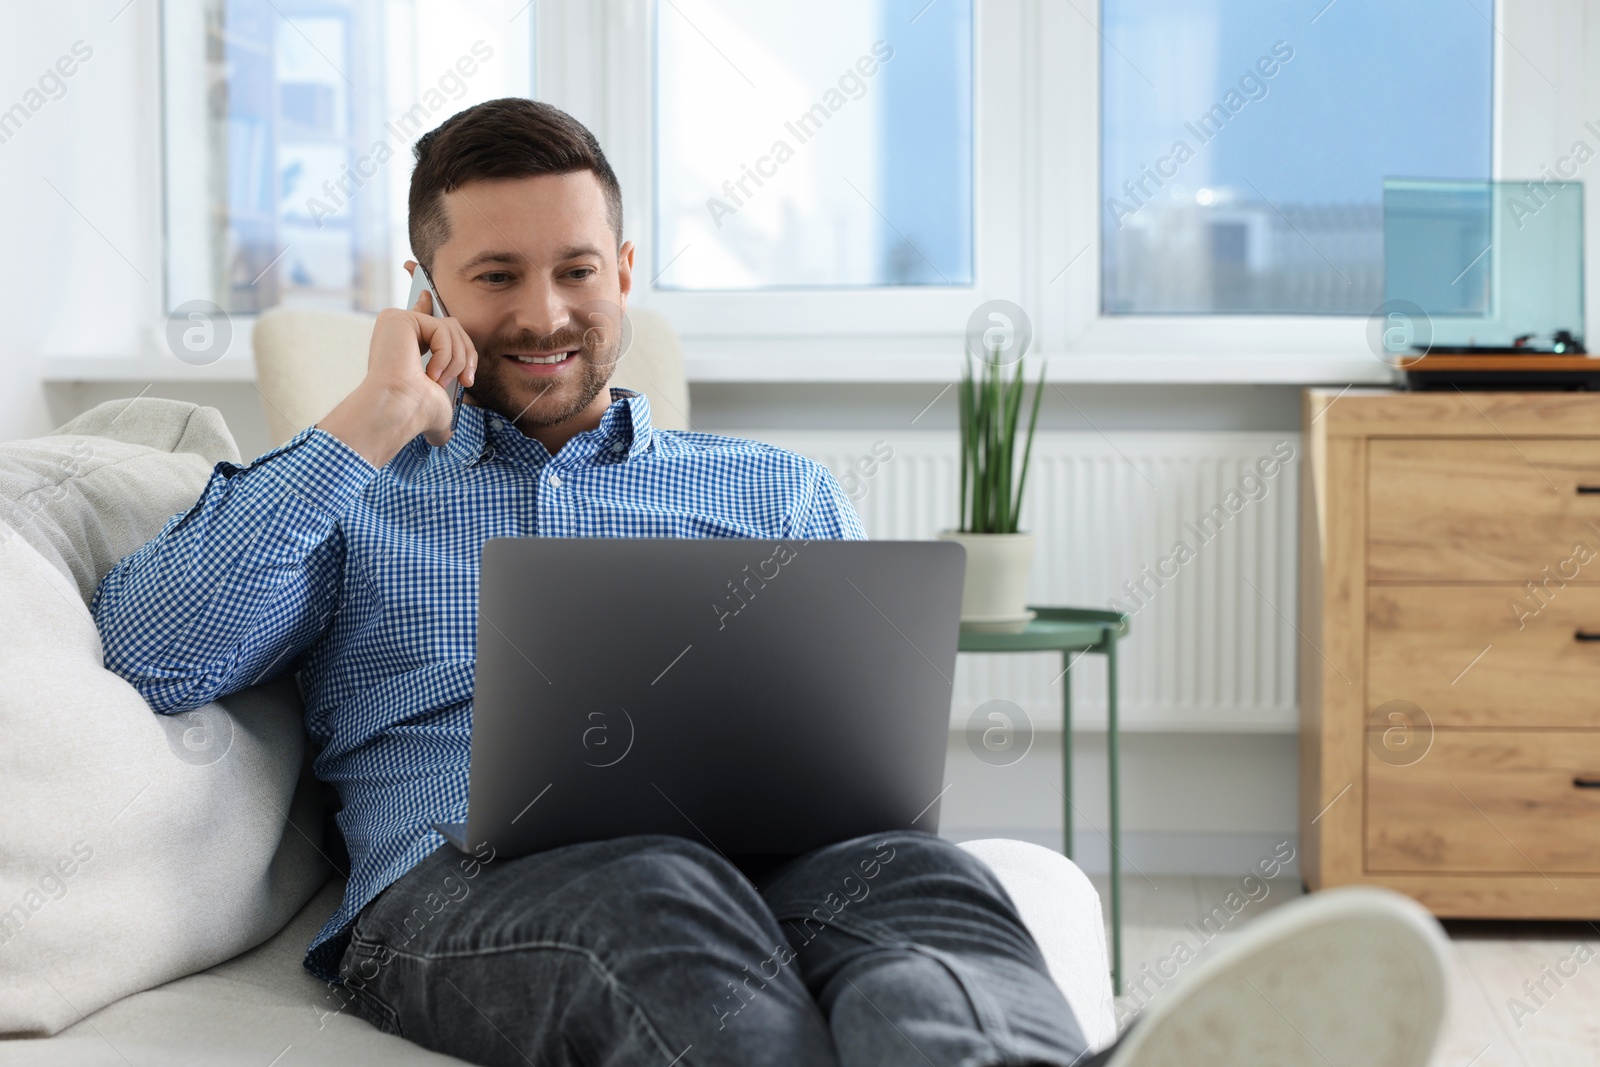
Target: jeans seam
column 594, row 961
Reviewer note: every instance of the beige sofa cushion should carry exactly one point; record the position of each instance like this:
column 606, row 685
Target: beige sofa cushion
column 307, row 361
column 135, row 847
column 241, row 1013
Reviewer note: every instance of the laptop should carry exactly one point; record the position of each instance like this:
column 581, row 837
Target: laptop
column 761, row 697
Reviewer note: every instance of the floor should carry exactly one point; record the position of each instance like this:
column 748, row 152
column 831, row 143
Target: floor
column 1495, row 1019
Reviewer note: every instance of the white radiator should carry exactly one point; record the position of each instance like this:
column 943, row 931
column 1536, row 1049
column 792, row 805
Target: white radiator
column 1212, row 644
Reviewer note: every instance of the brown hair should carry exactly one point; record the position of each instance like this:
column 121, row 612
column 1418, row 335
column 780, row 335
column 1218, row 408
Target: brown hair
column 512, row 137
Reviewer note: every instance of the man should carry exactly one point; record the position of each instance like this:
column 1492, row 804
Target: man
column 350, row 555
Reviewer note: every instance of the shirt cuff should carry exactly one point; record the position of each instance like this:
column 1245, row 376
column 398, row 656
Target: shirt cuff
column 315, row 466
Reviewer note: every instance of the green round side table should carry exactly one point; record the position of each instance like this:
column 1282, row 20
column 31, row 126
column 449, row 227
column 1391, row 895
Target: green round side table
column 1077, row 631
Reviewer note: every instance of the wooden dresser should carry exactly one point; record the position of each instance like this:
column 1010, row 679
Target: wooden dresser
column 1450, row 661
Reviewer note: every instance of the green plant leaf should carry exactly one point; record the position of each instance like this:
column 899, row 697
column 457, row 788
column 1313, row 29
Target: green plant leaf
column 1013, row 404
column 964, row 424
column 994, row 474
column 1027, row 451
column 990, row 411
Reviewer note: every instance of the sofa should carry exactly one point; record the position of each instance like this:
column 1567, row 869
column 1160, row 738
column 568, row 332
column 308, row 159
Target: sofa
column 161, row 876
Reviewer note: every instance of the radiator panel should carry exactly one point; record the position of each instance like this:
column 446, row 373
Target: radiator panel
column 1212, row 645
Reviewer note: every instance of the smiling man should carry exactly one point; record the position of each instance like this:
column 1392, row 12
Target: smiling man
column 350, row 554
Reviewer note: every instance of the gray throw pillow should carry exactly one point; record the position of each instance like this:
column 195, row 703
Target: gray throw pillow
column 102, row 485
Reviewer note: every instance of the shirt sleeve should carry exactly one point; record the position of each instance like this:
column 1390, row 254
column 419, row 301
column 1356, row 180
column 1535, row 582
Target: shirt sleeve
column 230, row 592
column 829, row 515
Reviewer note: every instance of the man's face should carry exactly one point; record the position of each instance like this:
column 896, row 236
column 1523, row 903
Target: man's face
column 533, row 273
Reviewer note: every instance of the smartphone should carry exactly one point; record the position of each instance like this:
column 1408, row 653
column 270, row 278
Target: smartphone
column 420, row 282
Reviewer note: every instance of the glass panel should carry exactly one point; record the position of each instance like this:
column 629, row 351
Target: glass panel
column 818, row 144
column 1244, row 145
column 305, row 112
column 1474, row 266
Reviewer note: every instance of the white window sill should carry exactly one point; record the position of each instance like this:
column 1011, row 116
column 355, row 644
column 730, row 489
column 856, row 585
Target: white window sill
column 723, row 361
column 61, row 370
column 731, row 365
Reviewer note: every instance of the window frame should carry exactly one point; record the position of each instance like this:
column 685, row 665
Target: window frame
column 1295, row 348
column 1300, row 348
column 1037, row 157
column 180, row 106
column 797, row 334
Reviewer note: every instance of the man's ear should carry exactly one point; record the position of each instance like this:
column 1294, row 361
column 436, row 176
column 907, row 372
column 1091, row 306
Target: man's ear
column 411, row 267
column 625, row 272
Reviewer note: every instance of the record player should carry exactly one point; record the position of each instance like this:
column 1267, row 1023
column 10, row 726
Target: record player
column 1483, row 285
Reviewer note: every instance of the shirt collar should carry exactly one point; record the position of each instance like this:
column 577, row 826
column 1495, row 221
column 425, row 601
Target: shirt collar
column 467, row 444
column 626, row 422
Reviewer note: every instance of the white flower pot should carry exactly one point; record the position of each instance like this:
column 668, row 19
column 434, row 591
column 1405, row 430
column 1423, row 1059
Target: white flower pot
column 994, row 595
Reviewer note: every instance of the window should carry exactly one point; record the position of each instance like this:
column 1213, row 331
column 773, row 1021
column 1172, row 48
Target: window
column 822, row 144
column 1244, row 144
column 833, row 190
column 304, row 113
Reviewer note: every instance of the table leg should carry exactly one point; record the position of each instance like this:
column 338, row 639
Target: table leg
column 1066, row 754
column 1116, row 813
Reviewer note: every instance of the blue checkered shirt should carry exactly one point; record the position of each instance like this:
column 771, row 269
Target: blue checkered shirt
column 364, row 581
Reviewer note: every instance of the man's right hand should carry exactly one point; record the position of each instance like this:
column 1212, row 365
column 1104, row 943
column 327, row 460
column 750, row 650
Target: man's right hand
column 402, row 396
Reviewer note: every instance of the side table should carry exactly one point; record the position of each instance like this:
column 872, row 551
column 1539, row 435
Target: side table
column 1080, row 631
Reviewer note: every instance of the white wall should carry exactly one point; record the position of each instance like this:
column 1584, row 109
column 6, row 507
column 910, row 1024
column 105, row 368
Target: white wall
column 81, row 268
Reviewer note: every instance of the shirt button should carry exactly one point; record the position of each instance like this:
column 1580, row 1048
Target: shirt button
column 618, row 446
column 555, row 481
column 496, row 424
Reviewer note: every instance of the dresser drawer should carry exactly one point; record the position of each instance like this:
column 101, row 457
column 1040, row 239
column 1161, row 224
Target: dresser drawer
column 1488, row 655
column 1488, row 802
column 1465, row 510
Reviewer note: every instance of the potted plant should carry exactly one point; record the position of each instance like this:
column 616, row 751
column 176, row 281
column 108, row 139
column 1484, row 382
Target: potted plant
column 999, row 556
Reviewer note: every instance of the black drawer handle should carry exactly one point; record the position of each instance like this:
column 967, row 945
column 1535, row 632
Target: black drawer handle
column 1585, row 635
column 1586, row 783
column 1589, row 489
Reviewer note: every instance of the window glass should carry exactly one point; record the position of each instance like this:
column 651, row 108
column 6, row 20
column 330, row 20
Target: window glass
column 1244, row 144
column 818, row 144
column 304, row 113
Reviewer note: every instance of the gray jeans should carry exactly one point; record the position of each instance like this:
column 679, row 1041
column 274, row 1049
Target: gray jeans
column 899, row 948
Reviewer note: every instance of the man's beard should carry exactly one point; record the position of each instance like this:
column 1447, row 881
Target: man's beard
column 531, row 404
